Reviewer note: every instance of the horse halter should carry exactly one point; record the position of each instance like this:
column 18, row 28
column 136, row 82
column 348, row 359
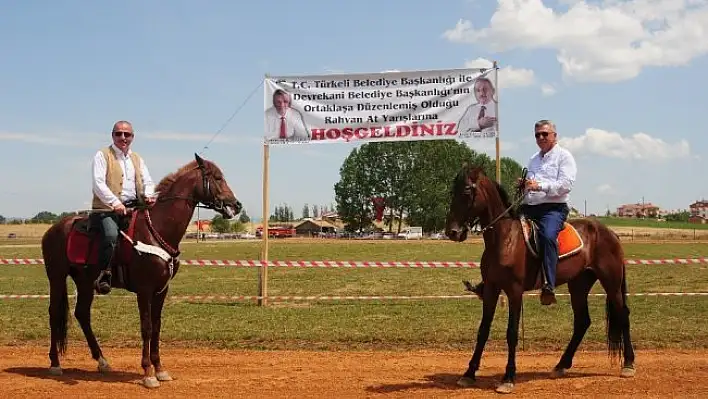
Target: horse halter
column 471, row 189
column 213, row 204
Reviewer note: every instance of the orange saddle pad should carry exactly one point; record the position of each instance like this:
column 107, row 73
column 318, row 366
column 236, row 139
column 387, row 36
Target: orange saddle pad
column 569, row 240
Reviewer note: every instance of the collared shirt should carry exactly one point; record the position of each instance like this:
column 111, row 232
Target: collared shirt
column 129, row 193
column 555, row 173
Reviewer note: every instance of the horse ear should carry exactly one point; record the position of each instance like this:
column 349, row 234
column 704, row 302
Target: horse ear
column 199, row 159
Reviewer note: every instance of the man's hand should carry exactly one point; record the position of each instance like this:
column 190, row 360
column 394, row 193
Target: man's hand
column 532, row 185
column 486, row 121
column 120, row 209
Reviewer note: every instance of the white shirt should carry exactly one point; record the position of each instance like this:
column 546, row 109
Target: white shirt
column 555, row 173
column 100, row 188
column 468, row 125
column 295, row 127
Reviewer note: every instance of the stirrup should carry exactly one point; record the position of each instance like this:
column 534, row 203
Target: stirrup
column 103, row 282
column 548, row 296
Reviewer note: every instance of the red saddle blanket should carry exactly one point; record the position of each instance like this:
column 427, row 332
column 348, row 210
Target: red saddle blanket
column 84, row 242
column 569, row 240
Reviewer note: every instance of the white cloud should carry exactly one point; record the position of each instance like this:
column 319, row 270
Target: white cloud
column 54, row 139
column 176, row 136
column 508, row 75
column 610, row 41
column 547, row 90
column 605, row 189
column 640, row 146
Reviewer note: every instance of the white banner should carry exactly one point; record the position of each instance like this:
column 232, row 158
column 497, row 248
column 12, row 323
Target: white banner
column 388, row 106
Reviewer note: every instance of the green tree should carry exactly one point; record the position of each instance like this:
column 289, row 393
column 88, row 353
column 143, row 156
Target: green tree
column 2, row 219
column 44, row 217
column 243, row 217
column 355, row 188
column 414, row 177
column 305, row 211
column 219, row 224
column 237, row 227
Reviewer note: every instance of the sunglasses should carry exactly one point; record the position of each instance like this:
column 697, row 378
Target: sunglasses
column 544, row 134
column 123, row 134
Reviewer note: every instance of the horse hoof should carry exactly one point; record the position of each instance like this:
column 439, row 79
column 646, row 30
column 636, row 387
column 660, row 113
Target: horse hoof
column 103, row 366
column 465, row 382
column 628, row 372
column 163, row 376
column 55, row 371
column 506, row 387
column 557, row 373
column 151, row 382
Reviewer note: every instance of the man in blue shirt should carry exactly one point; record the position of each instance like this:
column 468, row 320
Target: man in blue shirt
column 551, row 174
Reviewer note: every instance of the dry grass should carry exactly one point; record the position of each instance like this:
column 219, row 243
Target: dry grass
column 23, row 230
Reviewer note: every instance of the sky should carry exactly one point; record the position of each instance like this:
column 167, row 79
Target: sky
column 623, row 80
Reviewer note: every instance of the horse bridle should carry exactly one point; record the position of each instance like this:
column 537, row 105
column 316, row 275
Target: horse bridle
column 471, row 189
column 211, row 204
column 216, row 205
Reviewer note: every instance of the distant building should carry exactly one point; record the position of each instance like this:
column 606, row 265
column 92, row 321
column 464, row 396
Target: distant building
column 638, row 210
column 699, row 209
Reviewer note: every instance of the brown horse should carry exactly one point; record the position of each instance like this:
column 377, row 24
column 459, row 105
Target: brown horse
column 589, row 251
column 145, row 261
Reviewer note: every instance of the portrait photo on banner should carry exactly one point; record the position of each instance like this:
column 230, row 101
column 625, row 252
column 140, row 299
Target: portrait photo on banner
column 382, row 106
column 283, row 122
column 480, row 118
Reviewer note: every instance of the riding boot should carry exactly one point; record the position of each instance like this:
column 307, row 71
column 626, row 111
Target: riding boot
column 548, row 295
column 105, row 255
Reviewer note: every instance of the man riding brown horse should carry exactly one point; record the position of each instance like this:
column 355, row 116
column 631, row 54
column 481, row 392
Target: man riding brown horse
column 120, row 177
column 553, row 172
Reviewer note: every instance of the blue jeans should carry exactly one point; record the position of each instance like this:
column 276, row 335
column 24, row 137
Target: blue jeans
column 107, row 223
column 550, row 218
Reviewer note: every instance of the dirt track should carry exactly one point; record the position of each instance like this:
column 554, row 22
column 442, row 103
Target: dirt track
column 215, row 373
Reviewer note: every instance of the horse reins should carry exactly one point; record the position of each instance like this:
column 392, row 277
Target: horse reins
column 196, row 203
column 517, row 201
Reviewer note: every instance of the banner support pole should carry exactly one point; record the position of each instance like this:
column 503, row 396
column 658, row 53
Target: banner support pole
column 263, row 271
column 496, row 113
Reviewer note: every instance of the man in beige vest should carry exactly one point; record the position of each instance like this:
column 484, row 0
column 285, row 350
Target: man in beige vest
column 120, row 176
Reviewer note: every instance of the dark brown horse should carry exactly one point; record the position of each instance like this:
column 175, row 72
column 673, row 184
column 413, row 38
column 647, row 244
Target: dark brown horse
column 589, row 251
column 145, row 262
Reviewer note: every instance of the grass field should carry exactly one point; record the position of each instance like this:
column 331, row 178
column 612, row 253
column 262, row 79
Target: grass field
column 657, row 321
column 650, row 223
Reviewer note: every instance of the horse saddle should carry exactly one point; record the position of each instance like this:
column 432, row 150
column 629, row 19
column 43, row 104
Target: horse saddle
column 84, row 240
column 569, row 240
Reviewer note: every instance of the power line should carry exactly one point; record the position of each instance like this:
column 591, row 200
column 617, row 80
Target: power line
column 233, row 115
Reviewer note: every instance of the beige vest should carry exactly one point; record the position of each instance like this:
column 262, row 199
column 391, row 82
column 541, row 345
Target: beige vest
column 114, row 176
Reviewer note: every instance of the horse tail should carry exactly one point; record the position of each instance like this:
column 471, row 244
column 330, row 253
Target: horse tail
column 617, row 318
column 60, row 318
column 58, row 295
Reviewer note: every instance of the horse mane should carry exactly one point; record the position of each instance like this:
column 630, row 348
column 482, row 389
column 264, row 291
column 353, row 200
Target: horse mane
column 165, row 185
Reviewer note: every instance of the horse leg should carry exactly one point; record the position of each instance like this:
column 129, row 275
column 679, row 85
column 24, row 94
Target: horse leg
column 617, row 314
column 84, row 300
column 579, row 289
column 157, row 304
column 628, row 369
column 515, row 295
column 144, row 307
column 489, row 306
column 58, row 320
